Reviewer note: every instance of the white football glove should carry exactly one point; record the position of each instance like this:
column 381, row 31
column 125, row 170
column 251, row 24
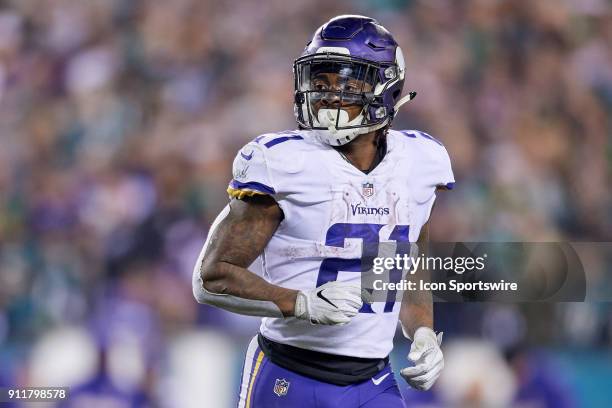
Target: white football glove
column 331, row 303
column 428, row 360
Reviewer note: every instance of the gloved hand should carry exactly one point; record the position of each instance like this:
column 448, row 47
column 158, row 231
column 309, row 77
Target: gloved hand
column 331, row 303
column 428, row 360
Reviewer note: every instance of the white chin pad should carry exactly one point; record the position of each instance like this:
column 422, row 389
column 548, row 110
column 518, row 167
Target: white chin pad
column 337, row 137
column 327, row 118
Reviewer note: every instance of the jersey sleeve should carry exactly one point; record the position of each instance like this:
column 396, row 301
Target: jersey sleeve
column 432, row 171
column 251, row 175
column 430, row 164
column 444, row 171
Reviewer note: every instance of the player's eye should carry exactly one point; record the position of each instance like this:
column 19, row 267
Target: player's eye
column 320, row 85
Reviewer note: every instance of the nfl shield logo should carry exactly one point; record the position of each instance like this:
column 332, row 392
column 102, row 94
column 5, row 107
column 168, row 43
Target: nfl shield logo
column 367, row 189
column 281, row 386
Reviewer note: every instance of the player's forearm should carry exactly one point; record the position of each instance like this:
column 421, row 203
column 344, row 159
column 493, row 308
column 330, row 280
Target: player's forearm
column 224, row 279
column 417, row 308
column 416, row 312
column 417, row 305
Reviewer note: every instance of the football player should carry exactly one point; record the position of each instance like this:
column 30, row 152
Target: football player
column 304, row 203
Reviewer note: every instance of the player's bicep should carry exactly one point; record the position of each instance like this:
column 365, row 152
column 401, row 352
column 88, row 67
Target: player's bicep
column 238, row 235
column 241, row 236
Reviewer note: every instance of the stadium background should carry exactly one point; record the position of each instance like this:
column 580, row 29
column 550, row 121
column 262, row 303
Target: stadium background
column 118, row 124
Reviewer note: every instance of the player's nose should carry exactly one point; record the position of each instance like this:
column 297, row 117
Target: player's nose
column 330, row 100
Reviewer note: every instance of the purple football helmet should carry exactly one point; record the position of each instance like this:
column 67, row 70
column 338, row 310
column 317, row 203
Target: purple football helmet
column 352, row 65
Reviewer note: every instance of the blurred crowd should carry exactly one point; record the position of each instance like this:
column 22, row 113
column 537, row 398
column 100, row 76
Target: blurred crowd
column 119, row 121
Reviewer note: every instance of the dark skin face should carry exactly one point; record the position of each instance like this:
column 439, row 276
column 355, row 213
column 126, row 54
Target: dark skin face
column 362, row 150
column 336, row 82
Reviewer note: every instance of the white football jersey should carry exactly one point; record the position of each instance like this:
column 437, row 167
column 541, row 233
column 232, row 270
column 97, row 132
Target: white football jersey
column 330, row 210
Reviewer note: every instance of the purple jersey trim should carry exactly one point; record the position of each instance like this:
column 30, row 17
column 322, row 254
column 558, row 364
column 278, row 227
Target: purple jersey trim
column 282, row 139
column 253, row 186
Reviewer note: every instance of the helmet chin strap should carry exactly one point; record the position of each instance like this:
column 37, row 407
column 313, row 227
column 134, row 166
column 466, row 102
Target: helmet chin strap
column 404, row 99
column 342, row 136
column 339, row 137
